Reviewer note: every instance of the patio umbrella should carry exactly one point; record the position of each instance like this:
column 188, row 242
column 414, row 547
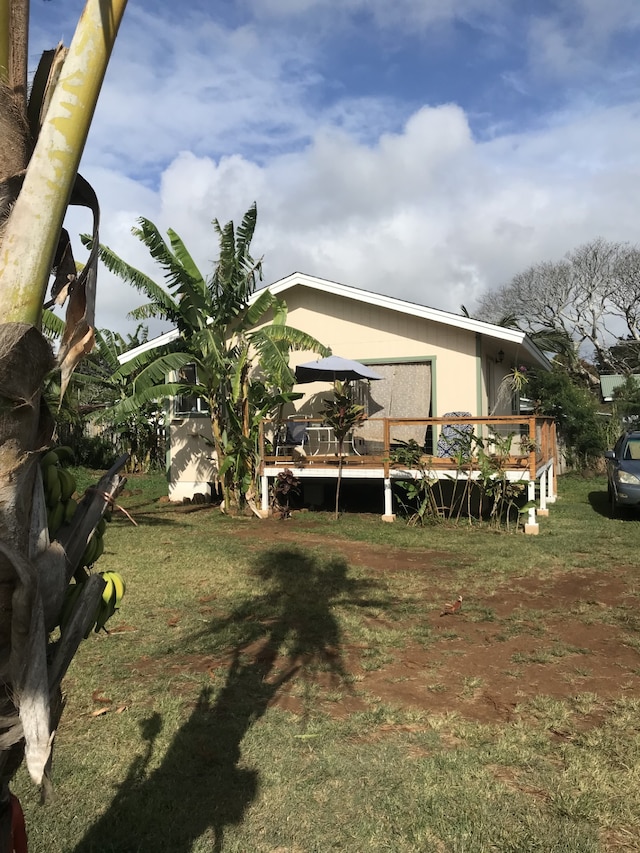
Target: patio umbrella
column 332, row 368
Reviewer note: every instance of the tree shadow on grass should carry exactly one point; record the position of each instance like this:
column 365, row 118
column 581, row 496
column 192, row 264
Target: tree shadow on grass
column 290, row 630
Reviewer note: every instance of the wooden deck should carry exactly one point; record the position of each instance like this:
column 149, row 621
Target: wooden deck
column 531, row 457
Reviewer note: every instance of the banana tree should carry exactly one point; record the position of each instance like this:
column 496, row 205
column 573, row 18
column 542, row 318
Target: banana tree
column 43, row 138
column 141, row 435
column 239, row 345
column 95, row 387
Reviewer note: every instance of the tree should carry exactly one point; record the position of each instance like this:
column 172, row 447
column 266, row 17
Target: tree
column 43, row 138
column 582, row 301
column 93, row 391
column 575, row 411
column 626, row 355
column 625, row 408
column 625, row 292
column 239, row 344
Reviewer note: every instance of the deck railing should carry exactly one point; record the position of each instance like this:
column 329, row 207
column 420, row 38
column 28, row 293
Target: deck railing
column 522, row 442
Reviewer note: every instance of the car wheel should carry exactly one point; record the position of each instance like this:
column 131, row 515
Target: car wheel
column 613, row 506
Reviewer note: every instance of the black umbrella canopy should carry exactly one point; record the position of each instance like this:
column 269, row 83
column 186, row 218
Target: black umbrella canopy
column 333, row 368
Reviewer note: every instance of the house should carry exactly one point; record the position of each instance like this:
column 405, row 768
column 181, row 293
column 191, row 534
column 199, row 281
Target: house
column 432, row 362
column 610, row 382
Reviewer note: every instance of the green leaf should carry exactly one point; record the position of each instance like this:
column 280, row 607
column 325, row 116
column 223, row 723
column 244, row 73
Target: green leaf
column 259, row 308
column 184, row 258
column 52, row 325
column 156, row 372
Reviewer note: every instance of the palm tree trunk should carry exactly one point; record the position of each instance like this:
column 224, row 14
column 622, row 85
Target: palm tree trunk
column 31, row 233
column 32, row 572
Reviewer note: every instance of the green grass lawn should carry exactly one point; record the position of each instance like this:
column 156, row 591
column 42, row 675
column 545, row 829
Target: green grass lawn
column 290, row 687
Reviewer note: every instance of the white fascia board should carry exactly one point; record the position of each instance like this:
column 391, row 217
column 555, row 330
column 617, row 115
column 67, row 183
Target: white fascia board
column 154, row 343
column 394, row 304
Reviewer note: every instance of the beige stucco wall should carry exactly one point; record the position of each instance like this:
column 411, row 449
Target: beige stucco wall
column 367, row 332
column 192, row 465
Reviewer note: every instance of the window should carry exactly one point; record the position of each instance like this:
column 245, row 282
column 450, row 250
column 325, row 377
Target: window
column 633, row 450
column 189, row 403
column 403, row 392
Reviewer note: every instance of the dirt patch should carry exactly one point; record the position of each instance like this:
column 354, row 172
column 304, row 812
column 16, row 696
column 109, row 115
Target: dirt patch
column 569, row 637
column 481, row 675
column 275, row 531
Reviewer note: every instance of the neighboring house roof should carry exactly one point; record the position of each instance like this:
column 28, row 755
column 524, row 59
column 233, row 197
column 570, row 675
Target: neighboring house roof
column 502, row 333
column 609, row 382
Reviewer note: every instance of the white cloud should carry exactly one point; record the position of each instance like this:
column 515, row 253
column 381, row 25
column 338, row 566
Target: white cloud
column 579, row 38
column 195, row 82
column 200, row 85
column 429, row 214
column 401, row 15
column 601, row 20
column 198, row 117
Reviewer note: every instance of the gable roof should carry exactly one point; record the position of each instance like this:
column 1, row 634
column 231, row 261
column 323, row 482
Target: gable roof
column 298, row 279
column 414, row 309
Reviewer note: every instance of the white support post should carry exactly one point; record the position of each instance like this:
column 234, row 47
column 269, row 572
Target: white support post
column 531, row 527
column 542, row 510
column 551, row 485
column 264, row 490
column 388, row 501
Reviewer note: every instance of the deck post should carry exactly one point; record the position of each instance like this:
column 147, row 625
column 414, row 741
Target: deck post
column 264, row 491
column 542, row 509
column 531, row 527
column 532, row 452
column 551, row 484
column 388, row 501
column 387, row 449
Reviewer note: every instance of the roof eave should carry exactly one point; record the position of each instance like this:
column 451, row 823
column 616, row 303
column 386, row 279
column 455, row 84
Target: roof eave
column 501, row 333
column 154, row 343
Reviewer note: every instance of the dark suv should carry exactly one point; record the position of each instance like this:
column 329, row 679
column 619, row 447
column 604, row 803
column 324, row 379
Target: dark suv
column 623, row 472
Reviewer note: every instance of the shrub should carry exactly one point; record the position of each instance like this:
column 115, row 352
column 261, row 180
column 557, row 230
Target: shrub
column 575, row 411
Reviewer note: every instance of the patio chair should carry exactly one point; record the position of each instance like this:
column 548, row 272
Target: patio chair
column 295, row 437
column 455, row 438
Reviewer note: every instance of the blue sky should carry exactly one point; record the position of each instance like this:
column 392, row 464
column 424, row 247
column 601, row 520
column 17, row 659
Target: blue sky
column 428, row 149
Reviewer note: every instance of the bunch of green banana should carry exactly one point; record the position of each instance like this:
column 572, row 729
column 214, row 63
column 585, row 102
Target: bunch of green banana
column 111, row 597
column 59, row 487
column 112, row 594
